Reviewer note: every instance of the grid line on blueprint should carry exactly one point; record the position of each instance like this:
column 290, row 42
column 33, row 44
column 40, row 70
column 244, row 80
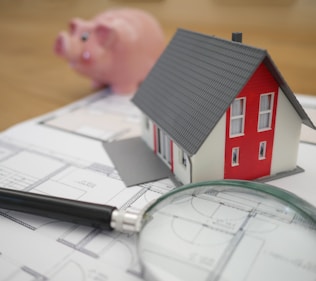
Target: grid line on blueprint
column 15, row 180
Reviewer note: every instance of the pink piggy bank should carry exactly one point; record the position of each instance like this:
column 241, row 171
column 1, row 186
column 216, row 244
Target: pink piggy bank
column 117, row 48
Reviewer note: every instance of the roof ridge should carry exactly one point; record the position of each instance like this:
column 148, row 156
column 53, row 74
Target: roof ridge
column 189, row 74
column 220, row 39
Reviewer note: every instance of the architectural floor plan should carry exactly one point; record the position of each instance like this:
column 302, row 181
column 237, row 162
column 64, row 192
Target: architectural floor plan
column 61, row 154
column 59, row 175
column 41, row 158
column 92, row 119
column 227, row 234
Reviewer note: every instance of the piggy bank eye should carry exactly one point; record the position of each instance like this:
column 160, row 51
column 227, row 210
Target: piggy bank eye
column 85, row 36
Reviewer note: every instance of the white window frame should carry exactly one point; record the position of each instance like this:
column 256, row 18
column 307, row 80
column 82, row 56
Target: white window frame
column 240, row 117
column 183, row 158
column 262, row 145
column 265, row 112
column 147, row 123
column 235, row 162
column 163, row 146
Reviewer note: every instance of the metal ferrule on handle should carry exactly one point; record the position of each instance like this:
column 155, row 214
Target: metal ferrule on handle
column 125, row 221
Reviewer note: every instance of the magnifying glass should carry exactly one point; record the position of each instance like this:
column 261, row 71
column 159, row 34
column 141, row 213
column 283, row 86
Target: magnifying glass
column 218, row 230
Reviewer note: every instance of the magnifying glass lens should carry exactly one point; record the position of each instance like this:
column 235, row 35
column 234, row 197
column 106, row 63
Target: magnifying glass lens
column 227, row 232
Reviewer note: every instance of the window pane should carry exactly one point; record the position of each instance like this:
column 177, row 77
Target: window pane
column 265, row 102
column 183, row 158
column 262, row 150
column 147, row 123
column 167, row 155
column 237, row 107
column 159, row 140
column 236, row 126
column 235, row 156
column 264, row 121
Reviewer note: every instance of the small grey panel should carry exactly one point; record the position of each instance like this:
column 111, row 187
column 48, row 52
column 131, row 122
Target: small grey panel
column 136, row 162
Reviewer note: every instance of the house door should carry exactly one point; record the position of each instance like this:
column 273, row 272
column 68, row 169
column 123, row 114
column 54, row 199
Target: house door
column 164, row 147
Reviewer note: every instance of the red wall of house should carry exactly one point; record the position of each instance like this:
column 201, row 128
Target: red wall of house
column 250, row 167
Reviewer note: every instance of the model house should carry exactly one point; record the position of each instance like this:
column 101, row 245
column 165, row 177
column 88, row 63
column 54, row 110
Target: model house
column 219, row 109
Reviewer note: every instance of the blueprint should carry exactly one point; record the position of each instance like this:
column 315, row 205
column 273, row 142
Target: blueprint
column 92, row 118
column 226, row 234
column 61, row 154
column 38, row 158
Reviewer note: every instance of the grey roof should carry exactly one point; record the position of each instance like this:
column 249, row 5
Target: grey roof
column 194, row 82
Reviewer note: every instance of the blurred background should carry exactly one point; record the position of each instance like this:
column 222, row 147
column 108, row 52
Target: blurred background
column 34, row 81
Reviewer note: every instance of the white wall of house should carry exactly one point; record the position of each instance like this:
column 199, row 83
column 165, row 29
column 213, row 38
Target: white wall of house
column 147, row 128
column 208, row 163
column 181, row 170
column 287, row 135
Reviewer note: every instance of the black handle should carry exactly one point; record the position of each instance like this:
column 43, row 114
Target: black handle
column 90, row 214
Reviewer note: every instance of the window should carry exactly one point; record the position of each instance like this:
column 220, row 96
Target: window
column 265, row 112
column 183, row 158
column 237, row 117
column 147, row 125
column 235, row 156
column 163, row 143
column 262, row 150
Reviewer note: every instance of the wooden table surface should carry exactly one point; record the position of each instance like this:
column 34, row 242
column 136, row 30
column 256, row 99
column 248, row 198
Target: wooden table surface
column 34, row 81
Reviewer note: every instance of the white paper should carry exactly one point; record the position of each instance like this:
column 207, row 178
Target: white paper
column 53, row 155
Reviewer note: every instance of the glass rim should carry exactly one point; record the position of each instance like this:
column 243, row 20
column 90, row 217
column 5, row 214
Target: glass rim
column 289, row 198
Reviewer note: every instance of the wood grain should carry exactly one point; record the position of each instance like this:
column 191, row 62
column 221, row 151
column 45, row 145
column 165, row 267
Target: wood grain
column 34, row 81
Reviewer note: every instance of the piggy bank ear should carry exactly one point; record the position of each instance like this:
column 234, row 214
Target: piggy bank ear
column 104, row 34
column 75, row 24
